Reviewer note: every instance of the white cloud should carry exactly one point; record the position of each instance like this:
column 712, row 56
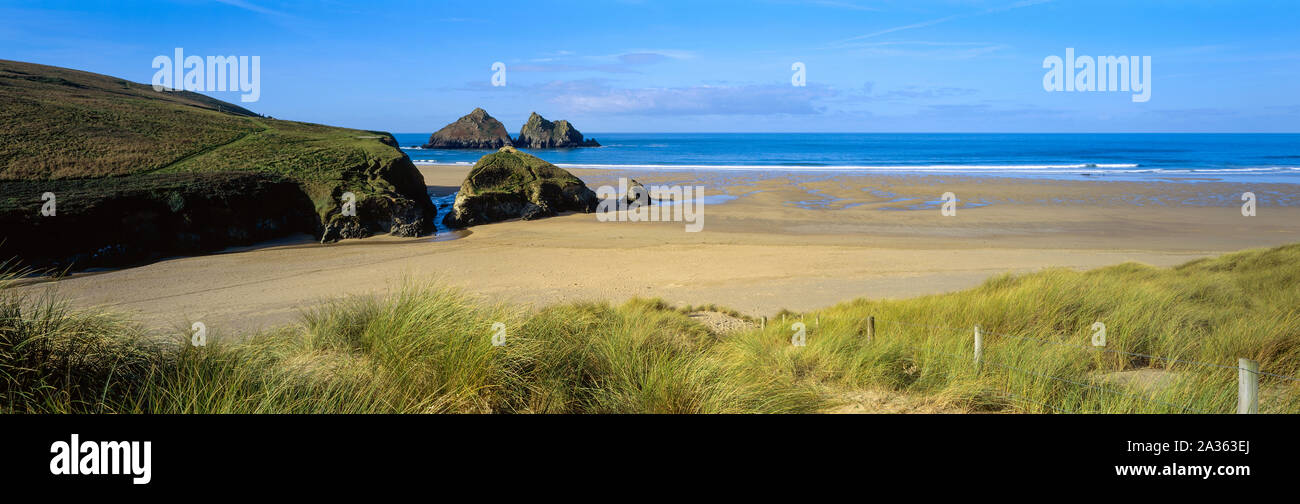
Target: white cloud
column 700, row 100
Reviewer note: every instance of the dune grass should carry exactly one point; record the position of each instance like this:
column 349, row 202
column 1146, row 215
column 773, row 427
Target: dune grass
column 429, row 350
column 1199, row 318
column 422, row 351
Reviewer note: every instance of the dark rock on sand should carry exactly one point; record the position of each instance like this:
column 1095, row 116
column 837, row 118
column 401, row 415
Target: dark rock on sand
column 477, row 130
column 120, row 221
column 509, row 184
column 637, row 191
column 538, row 133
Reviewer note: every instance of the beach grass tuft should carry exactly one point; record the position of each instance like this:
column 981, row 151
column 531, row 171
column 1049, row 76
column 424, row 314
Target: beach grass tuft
column 1173, row 337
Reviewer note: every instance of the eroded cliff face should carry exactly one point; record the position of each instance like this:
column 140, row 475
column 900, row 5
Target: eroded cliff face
column 509, row 184
column 98, row 223
column 123, row 221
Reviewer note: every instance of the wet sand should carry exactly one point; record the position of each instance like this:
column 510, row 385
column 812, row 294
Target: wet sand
column 799, row 242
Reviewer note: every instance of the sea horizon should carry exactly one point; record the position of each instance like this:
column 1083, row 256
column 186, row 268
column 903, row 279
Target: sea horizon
column 1194, row 157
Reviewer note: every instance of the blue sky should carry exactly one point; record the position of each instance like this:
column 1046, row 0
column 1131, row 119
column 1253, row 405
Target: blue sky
column 661, row 66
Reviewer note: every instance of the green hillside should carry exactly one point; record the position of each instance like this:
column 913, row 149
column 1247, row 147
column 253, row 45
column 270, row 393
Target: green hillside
column 61, row 123
column 67, row 130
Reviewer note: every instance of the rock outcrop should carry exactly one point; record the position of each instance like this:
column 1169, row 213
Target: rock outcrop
column 538, row 133
column 477, row 130
column 120, row 221
column 392, row 198
column 637, row 191
column 208, row 175
column 509, row 184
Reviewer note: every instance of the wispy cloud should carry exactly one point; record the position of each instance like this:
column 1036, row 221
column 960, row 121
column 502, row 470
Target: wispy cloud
column 620, row 63
column 932, row 22
column 844, row 5
column 912, row 93
column 906, row 96
column 921, row 24
column 678, row 54
column 641, row 58
column 700, row 100
column 249, row 6
column 565, row 67
column 832, row 4
column 927, row 49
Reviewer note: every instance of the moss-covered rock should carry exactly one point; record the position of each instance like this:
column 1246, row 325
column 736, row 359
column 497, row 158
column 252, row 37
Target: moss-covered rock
column 476, row 130
column 509, row 184
column 538, row 133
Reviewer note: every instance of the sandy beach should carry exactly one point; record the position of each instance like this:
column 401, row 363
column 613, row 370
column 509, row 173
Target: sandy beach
column 795, row 241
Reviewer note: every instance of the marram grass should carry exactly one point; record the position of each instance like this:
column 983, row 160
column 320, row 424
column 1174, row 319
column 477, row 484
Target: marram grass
column 425, row 350
column 429, row 350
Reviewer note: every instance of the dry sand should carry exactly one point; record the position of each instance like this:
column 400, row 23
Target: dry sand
column 799, row 241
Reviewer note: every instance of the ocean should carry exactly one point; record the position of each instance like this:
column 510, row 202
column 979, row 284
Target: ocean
column 1119, row 156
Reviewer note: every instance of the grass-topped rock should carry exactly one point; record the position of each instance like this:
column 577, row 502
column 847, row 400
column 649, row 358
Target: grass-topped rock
column 137, row 174
column 476, row 130
column 509, row 184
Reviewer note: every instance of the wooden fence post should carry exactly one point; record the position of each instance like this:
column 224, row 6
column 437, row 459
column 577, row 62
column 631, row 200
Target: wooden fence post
column 979, row 348
column 871, row 327
column 1247, row 386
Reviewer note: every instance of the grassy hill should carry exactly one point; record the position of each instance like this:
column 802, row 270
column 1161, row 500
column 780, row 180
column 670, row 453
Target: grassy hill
column 62, row 123
column 123, row 159
column 1175, row 335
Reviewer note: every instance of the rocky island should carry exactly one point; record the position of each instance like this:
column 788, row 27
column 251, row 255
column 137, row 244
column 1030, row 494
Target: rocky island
column 478, row 130
column 538, row 133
